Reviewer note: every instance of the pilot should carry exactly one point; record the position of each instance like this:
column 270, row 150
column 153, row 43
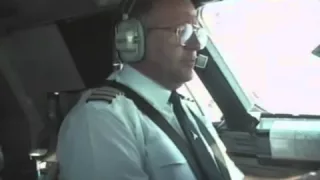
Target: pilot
column 114, row 140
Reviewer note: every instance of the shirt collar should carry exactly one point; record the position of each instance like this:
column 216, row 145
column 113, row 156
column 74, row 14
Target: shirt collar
column 143, row 85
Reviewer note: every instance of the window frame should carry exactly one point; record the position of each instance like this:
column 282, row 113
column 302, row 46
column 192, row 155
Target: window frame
column 246, row 100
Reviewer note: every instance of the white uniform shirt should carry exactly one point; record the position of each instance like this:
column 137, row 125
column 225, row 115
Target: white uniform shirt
column 101, row 141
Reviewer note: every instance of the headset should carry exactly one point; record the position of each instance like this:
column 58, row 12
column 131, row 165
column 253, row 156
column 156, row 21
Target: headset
column 130, row 37
column 130, row 41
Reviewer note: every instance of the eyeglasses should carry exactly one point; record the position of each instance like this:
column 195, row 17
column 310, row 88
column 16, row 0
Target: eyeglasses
column 185, row 32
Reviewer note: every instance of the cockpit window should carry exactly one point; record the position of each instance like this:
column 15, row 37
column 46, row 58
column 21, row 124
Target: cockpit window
column 268, row 46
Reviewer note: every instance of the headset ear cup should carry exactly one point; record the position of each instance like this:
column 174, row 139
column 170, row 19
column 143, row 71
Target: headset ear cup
column 130, row 41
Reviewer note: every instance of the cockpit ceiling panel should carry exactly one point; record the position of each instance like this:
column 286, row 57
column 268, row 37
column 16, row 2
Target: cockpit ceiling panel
column 21, row 13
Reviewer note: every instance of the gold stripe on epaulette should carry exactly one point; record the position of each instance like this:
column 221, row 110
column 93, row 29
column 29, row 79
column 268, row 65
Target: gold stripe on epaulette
column 104, row 94
column 109, row 89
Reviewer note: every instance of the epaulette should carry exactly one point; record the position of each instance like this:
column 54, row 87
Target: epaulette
column 105, row 93
column 186, row 98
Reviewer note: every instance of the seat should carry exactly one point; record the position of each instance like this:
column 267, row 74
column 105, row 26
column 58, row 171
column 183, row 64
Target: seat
column 52, row 172
column 38, row 61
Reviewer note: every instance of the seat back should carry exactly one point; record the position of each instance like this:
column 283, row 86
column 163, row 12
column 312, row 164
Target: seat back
column 57, row 57
column 53, row 172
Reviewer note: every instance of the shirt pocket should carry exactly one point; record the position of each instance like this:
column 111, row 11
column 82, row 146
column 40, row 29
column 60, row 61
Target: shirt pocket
column 166, row 161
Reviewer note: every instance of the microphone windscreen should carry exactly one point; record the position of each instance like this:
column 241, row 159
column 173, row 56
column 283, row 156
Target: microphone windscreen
column 201, row 61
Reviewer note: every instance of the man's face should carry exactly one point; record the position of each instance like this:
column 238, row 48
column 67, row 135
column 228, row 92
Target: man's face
column 172, row 60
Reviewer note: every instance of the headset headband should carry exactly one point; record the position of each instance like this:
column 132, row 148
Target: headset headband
column 126, row 7
column 129, row 36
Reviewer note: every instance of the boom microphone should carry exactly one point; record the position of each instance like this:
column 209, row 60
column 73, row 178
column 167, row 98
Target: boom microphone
column 201, row 61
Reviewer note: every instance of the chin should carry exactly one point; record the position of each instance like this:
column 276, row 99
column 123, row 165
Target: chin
column 187, row 76
column 183, row 75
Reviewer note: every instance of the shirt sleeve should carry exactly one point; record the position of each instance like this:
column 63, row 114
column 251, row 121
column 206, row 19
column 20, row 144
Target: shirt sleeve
column 94, row 144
